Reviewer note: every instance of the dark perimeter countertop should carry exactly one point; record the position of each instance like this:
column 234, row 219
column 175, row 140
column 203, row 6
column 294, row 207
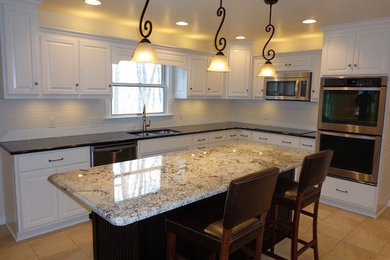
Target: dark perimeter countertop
column 47, row 144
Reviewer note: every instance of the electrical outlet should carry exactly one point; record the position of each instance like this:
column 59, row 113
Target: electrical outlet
column 52, row 123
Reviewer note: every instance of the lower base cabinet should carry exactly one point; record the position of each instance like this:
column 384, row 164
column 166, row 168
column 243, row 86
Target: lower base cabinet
column 36, row 205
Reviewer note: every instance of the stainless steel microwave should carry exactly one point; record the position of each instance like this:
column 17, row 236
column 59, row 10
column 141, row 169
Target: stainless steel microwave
column 288, row 86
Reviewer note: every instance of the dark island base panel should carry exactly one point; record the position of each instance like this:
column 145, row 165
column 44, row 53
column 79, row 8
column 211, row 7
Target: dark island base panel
column 146, row 239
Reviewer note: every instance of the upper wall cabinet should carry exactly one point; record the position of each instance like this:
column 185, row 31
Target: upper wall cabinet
column 257, row 82
column 292, row 62
column 200, row 82
column 72, row 66
column 238, row 79
column 363, row 48
column 20, row 63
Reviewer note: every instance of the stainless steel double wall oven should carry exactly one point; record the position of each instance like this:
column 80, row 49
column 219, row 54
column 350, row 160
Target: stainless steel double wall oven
column 350, row 122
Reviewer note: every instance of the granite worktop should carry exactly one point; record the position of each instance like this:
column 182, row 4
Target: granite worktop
column 47, row 144
column 127, row 192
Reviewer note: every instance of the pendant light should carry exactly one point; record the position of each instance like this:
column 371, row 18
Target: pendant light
column 219, row 62
column 145, row 52
column 268, row 69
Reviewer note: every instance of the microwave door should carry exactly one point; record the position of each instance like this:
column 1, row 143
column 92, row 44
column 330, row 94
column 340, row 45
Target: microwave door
column 281, row 89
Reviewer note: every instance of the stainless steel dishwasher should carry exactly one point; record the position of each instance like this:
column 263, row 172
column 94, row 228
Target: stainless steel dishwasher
column 112, row 153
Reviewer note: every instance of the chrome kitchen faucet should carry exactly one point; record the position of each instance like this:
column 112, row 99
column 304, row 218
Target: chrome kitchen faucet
column 145, row 124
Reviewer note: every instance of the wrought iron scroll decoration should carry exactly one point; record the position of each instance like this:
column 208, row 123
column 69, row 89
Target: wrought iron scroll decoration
column 269, row 28
column 147, row 26
column 222, row 41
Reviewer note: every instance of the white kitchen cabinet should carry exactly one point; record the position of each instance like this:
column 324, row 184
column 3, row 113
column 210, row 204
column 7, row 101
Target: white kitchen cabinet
column 307, row 144
column 214, row 83
column 163, row 145
column 95, row 68
column 231, row 136
column 257, row 82
column 315, row 78
column 288, row 62
column 21, row 67
column 197, row 76
column 238, row 79
column 276, row 139
column 363, row 48
column 39, row 206
column 348, row 194
column 72, row 67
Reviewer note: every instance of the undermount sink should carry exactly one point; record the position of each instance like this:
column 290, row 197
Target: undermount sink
column 155, row 132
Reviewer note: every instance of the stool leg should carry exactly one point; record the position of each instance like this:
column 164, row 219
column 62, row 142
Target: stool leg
column 171, row 245
column 259, row 239
column 315, row 237
column 274, row 219
column 295, row 231
column 225, row 244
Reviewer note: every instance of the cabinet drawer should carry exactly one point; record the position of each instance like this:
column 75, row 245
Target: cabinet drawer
column 308, row 144
column 42, row 160
column 165, row 144
column 231, row 135
column 349, row 192
column 200, row 139
column 263, row 137
column 219, row 136
column 285, row 140
column 244, row 135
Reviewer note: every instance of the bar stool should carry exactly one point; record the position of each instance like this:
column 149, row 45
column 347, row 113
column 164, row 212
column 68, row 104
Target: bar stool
column 296, row 196
column 242, row 220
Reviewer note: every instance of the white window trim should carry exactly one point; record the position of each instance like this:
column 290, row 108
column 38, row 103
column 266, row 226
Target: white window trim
column 168, row 99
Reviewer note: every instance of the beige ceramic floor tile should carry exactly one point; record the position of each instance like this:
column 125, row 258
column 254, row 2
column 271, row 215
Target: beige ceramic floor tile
column 82, row 236
column 386, row 250
column 53, row 244
column 331, row 257
column 347, row 251
column 6, row 239
column 18, row 252
column 380, row 257
column 369, row 237
column 325, row 243
column 69, row 254
column 325, row 211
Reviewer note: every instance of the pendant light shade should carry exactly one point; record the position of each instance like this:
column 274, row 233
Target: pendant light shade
column 144, row 51
column 268, row 69
column 219, row 62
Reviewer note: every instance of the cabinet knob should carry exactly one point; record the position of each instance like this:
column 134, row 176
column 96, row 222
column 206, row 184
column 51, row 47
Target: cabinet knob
column 349, row 65
column 247, row 90
column 110, row 86
column 286, row 64
column 313, row 91
column 77, row 84
column 35, row 83
column 289, row 64
column 190, row 88
column 355, row 65
column 208, row 88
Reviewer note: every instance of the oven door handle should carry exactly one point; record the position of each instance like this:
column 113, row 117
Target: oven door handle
column 351, row 88
column 367, row 137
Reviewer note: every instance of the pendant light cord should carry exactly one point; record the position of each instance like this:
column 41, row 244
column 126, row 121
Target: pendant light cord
column 147, row 26
column 222, row 41
column 269, row 28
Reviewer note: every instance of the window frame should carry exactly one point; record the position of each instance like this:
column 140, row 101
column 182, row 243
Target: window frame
column 167, row 93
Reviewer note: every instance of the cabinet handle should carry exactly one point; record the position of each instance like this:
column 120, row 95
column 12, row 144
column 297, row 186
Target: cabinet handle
column 244, row 135
column 201, row 147
column 263, row 138
column 234, row 135
column 307, row 145
column 218, row 137
column 56, row 160
column 343, row 191
column 200, row 140
column 286, row 142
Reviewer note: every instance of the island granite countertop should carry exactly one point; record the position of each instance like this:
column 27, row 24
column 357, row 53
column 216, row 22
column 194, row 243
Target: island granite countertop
column 54, row 143
column 127, row 192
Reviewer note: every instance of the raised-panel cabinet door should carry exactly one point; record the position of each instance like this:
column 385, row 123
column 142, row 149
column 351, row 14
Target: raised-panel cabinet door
column 258, row 82
column 337, row 54
column 66, row 206
column 239, row 76
column 197, row 76
column 60, row 65
column 372, row 52
column 21, row 50
column 214, row 83
column 38, row 199
column 95, row 68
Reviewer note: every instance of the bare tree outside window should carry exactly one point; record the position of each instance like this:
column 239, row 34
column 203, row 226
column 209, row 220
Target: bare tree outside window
column 136, row 84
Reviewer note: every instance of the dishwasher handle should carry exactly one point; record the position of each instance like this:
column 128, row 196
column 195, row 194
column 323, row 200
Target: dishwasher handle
column 113, row 148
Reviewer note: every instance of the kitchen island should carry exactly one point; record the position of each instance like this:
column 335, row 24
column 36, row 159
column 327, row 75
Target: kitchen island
column 124, row 196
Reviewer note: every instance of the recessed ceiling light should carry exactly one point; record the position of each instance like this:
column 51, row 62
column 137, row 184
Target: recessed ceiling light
column 309, row 21
column 240, row 37
column 181, row 23
column 93, row 2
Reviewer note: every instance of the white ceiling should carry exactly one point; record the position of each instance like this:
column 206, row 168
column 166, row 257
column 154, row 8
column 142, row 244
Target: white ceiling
column 244, row 17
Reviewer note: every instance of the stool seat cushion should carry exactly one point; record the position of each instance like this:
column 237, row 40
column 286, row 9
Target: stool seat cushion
column 286, row 193
column 216, row 229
